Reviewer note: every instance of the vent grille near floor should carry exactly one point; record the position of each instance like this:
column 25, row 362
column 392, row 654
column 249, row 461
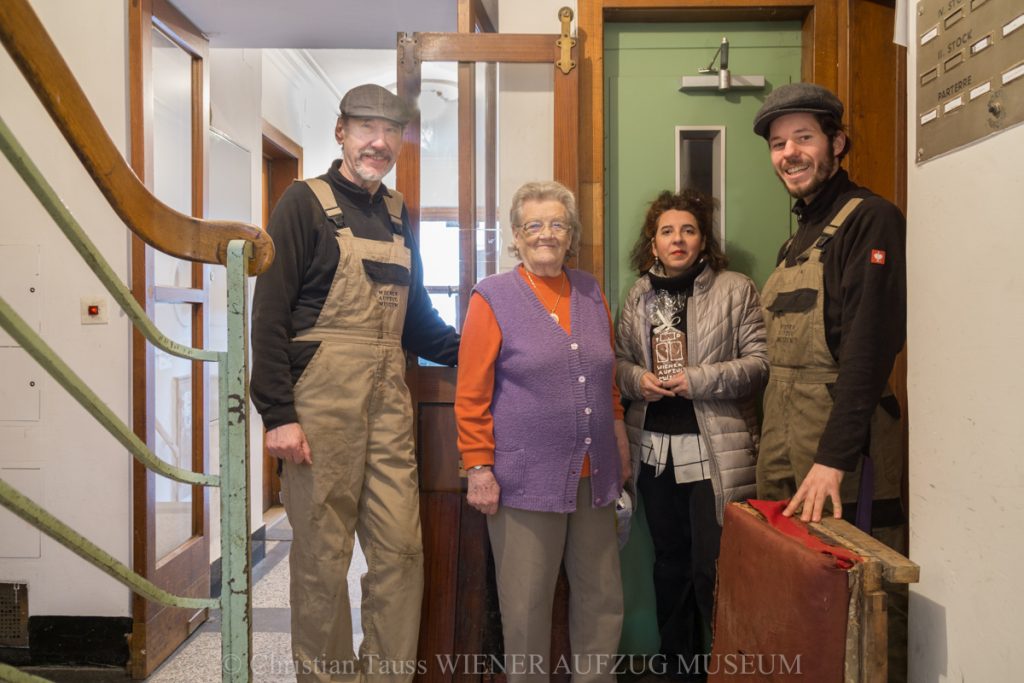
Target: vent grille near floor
column 13, row 615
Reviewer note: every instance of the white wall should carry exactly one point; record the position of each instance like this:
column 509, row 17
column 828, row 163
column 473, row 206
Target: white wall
column 965, row 332
column 64, row 459
column 235, row 96
column 301, row 105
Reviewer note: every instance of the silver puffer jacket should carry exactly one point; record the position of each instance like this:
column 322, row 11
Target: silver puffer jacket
column 727, row 352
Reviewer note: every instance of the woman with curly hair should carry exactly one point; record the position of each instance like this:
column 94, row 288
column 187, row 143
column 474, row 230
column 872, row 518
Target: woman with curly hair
column 691, row 357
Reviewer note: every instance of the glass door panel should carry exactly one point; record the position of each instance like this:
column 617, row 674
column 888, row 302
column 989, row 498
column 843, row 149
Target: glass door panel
column 172, row 140
column 170, row 111
column 178, row 295
column 172, row 415
column 488, row 220
column 439, row 190
column 495, row 154
column 459, row 225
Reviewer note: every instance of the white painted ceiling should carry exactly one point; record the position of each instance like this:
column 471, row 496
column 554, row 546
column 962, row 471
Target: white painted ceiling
column 324, row 24
column 352, row 41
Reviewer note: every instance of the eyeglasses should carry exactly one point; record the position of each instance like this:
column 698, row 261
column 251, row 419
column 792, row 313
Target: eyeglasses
column 535, row 227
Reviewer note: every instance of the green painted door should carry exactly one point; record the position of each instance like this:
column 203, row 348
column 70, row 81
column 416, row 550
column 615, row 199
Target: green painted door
column 643, row 67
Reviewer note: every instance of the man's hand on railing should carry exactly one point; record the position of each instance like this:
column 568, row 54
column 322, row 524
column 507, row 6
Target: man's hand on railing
column 288, row 442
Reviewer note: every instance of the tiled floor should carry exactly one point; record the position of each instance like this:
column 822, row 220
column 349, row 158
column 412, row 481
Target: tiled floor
column 198, row 659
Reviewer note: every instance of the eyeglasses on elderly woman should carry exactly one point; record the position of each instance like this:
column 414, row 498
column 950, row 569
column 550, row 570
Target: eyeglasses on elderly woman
column 536, row 227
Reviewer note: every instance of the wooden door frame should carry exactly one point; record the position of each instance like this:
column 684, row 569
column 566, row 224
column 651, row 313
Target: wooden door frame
column 157, row 629
column 468, row 49
column 456, row 609
column 827, row 58
column 473, row 18
column 416, row 48
column 819, row 29
column 281, row 149
column 874, row 106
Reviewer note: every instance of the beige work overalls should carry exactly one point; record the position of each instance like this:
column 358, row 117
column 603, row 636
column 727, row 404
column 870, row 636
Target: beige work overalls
column 797, row 402
column 354, row 407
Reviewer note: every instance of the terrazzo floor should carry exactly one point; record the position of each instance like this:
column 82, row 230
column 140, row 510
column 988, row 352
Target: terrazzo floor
column 199, row 658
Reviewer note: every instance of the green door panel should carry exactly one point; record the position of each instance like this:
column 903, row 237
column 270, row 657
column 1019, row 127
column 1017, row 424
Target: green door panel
column 643, row 65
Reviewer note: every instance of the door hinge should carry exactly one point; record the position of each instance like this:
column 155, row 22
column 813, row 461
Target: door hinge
column 566, row 42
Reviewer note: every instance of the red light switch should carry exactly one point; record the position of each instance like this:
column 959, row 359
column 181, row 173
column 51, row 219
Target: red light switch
column 94, row 310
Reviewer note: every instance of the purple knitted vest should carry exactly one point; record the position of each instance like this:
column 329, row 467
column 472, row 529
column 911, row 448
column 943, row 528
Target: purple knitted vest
column 552, row 396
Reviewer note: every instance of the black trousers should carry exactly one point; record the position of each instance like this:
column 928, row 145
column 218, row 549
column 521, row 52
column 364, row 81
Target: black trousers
column 686, row 538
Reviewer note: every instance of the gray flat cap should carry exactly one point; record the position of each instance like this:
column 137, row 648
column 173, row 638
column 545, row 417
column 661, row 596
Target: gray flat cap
column 371, row 101
column 793, row 98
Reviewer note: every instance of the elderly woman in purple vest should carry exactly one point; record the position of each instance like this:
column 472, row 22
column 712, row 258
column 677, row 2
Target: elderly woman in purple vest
column 542, row 438
column 691, row 357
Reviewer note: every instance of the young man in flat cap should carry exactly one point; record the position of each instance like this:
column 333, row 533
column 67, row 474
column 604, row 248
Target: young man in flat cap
column 835, row 309
column 836, row 313
column 332, row 318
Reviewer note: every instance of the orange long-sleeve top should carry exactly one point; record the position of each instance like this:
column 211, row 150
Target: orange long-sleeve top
column 478, row 352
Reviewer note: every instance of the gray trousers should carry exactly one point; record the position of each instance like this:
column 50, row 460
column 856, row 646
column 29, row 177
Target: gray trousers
column 529, row 547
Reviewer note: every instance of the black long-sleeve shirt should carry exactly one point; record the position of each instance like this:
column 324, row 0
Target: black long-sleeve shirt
column 290, row 294
column 865, row 273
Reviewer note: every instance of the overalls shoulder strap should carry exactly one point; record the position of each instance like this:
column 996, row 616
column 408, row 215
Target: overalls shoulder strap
column 836, row 223
column 325, row 195
column 394, row 201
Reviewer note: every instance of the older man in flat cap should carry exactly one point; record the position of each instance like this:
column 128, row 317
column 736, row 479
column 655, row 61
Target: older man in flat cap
column 332, row 318
column 835, row 308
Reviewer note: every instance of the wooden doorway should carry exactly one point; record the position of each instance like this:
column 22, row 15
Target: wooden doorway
column 282, row 165
column 456, row 604
column 169, row 128
column 846, row 46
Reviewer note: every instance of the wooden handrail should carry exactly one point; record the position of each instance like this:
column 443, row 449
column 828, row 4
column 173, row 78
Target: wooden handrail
column 154, row 222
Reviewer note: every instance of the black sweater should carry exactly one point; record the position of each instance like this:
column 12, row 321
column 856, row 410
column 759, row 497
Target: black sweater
column 290, row 294
column 865, row 306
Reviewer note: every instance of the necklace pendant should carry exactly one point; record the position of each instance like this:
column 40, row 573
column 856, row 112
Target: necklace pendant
column 554, row 316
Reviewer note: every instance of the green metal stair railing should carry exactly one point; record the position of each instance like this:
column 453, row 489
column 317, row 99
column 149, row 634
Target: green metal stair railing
column 235, row 600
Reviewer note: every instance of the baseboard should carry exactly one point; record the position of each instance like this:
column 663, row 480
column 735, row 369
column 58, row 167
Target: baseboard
column 95, row 641
column 73, row 641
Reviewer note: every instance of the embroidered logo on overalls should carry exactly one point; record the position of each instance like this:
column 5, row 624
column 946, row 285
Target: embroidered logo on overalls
column 388, row 298
column 787, row 333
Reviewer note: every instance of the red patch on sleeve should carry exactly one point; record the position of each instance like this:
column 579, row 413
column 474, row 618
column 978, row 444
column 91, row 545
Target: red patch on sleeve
column 878, row 257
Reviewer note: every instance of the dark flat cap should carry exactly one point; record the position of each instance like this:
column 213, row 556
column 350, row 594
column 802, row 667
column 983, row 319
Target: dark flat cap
column 371, row 101
column 793, row 98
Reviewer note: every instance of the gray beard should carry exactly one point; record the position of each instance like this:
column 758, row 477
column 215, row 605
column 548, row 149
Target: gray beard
column 368, row 176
